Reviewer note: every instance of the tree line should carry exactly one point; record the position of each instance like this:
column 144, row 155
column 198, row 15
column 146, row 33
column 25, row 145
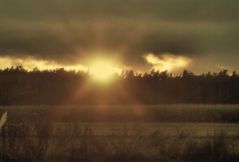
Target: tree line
column 59, row 87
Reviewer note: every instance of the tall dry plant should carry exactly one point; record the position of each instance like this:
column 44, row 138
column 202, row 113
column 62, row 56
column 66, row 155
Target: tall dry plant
column 3, row 120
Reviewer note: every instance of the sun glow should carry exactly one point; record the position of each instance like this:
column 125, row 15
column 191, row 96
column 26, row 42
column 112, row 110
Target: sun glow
column 31, row 63
column 102, row 70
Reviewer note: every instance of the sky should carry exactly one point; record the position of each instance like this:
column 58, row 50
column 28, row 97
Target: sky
column 198, row 35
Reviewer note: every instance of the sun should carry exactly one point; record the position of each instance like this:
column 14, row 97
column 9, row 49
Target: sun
column 103, row 71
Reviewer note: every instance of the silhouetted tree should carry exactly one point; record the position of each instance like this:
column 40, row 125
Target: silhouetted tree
column 21, row 87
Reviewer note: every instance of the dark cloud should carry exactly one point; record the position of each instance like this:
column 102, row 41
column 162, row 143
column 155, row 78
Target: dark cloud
column 34, row 42
column 65, row 30
column 68, row 42
column 216, row 10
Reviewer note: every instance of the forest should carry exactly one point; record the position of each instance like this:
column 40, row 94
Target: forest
column 60, row 87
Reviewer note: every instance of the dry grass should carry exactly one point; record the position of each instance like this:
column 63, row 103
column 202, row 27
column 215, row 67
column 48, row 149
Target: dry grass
column 36, row 142
column 31, row 135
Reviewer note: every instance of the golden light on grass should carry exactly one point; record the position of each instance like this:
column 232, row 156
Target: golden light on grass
column 103, row 70
column 167, row 62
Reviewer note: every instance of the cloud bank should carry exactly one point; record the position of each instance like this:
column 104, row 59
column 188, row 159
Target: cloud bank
column 67, row 32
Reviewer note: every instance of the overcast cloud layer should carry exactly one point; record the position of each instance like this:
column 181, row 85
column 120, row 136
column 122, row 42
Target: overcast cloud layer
column 67, row 30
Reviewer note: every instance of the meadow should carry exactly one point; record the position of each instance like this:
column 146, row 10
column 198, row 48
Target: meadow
column 168, row 133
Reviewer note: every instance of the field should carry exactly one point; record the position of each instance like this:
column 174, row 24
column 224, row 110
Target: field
column 173, row 133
